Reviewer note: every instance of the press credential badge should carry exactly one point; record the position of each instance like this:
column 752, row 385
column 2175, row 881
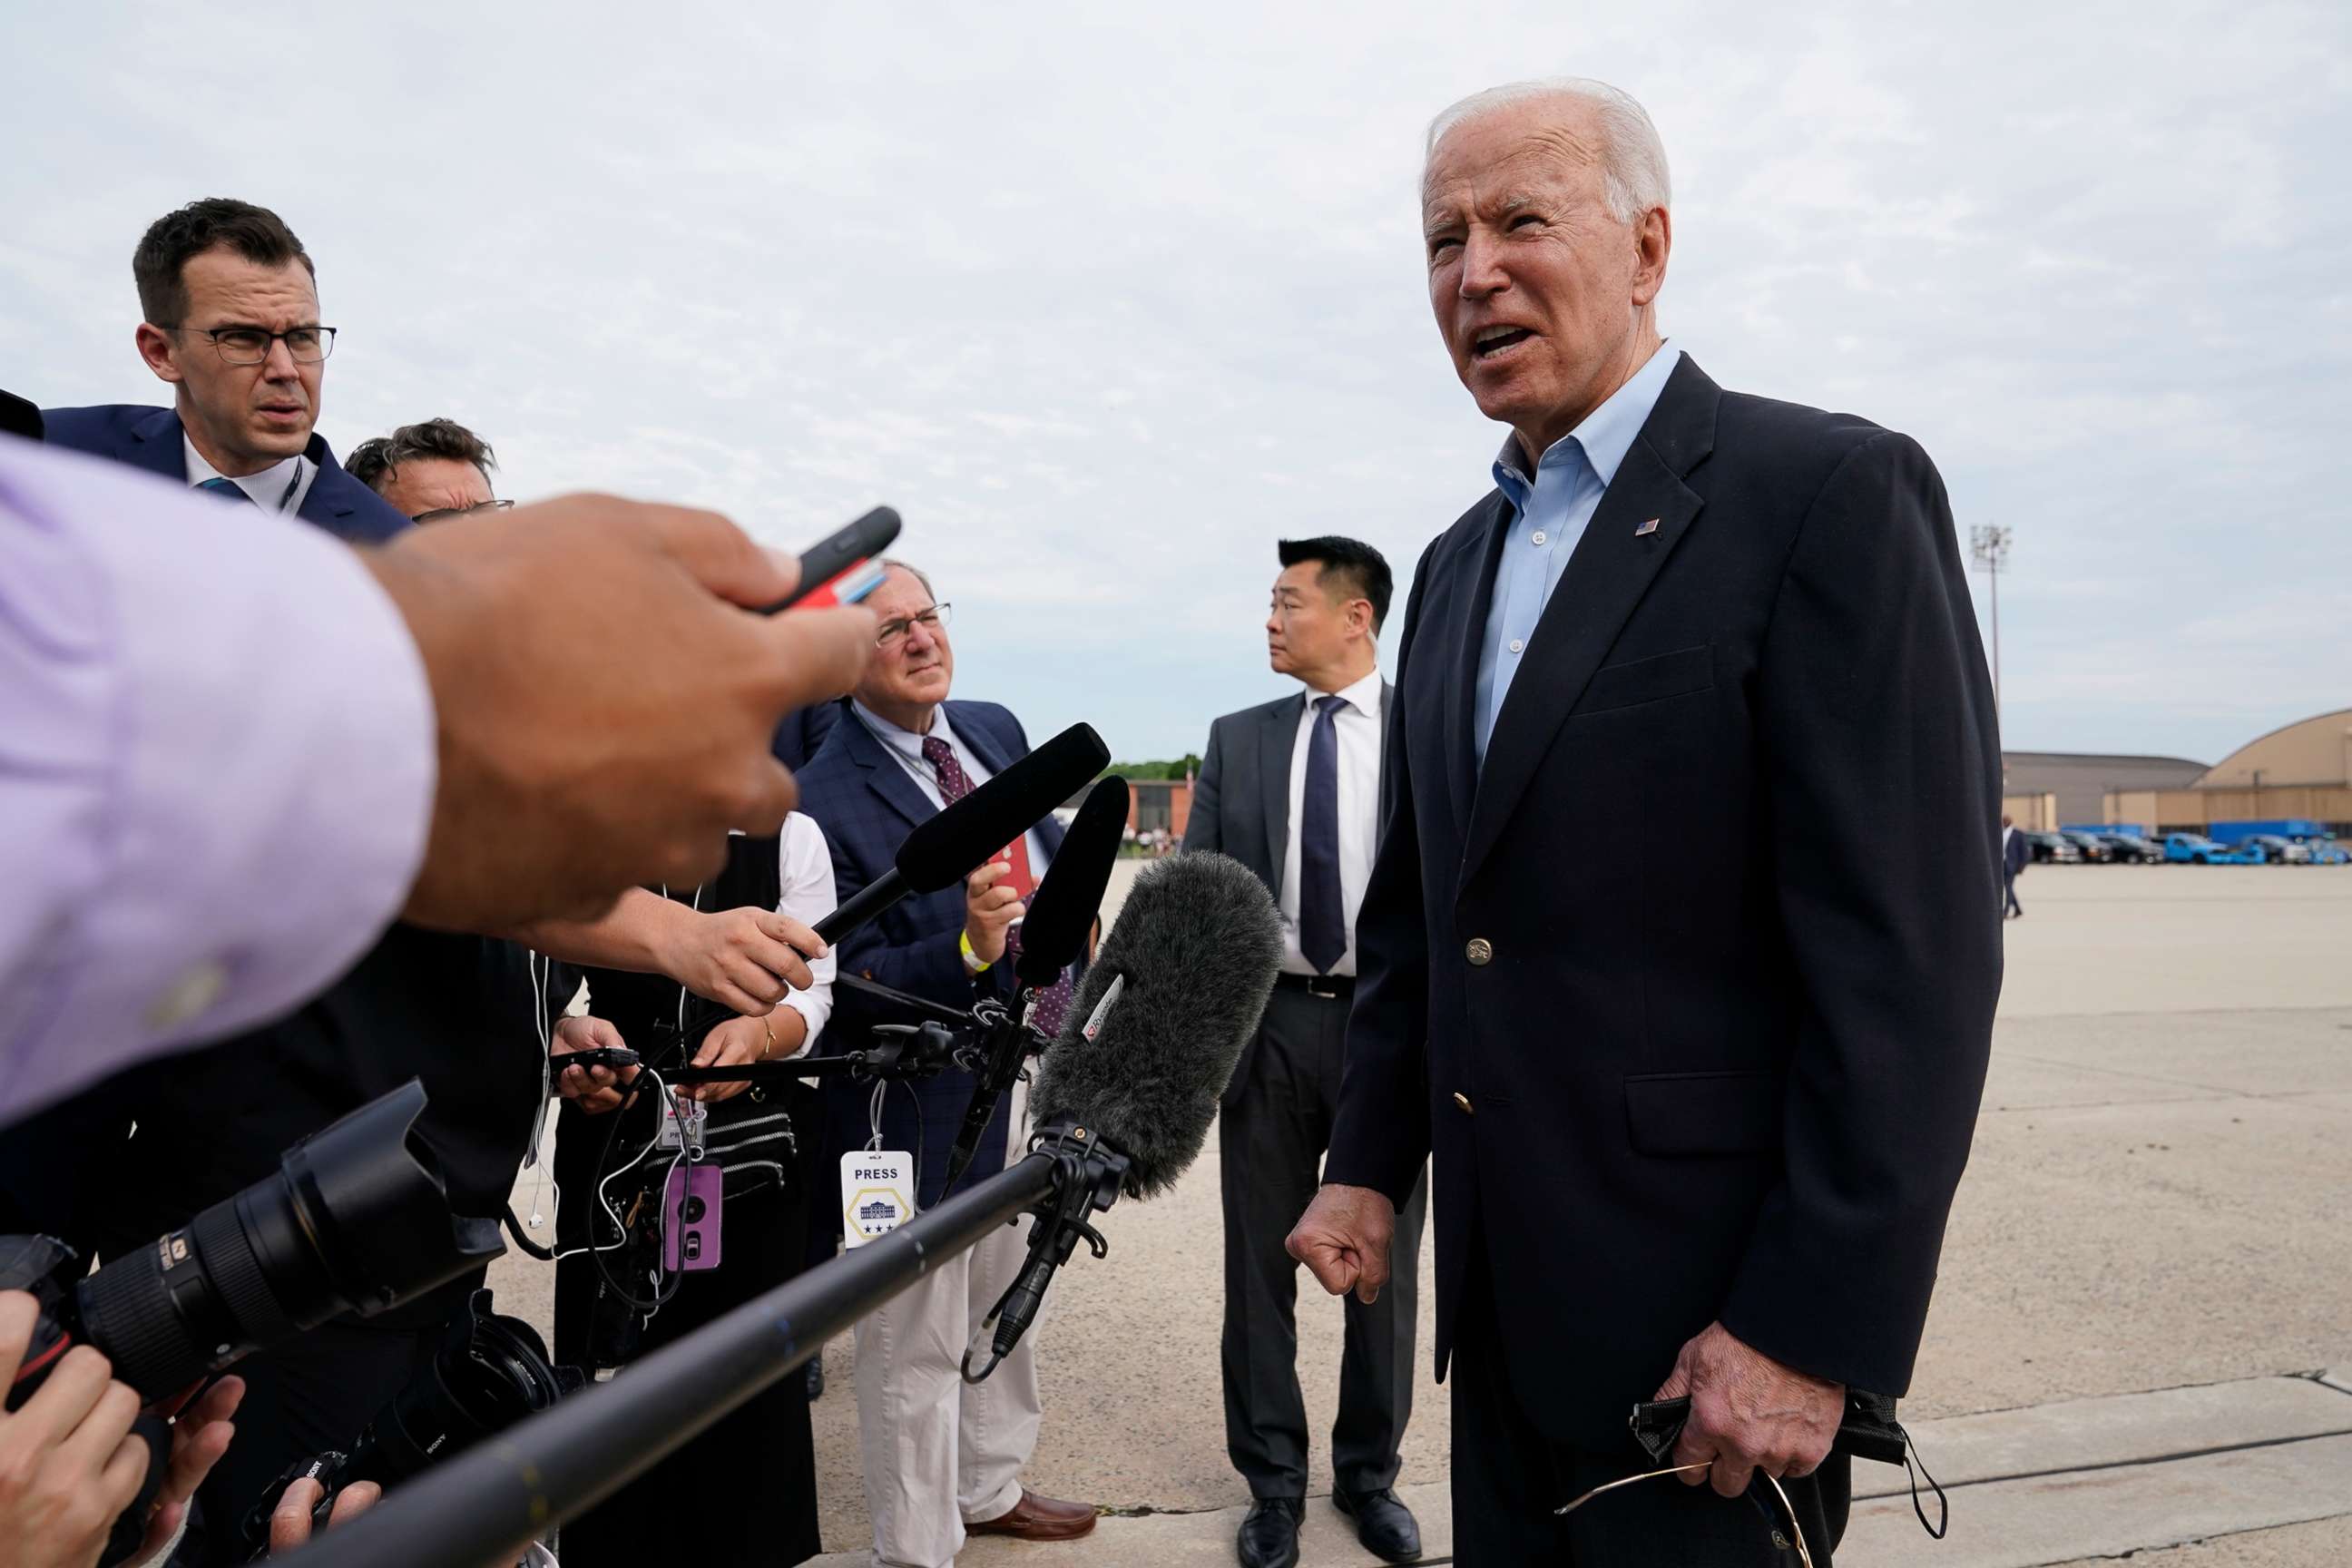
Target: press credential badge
column 877, row 1194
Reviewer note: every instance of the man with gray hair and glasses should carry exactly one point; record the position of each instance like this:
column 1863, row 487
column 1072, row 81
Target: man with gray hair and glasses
column 943, row 1458
column 430, row 471
column 1652, row 963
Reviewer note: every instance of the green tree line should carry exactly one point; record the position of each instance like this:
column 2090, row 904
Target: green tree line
column 1175, row 770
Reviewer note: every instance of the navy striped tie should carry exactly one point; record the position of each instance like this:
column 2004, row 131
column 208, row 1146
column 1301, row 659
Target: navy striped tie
column 221, row 487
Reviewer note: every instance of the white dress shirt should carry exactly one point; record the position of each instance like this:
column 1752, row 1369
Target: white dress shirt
column 1358, row 729
column 280, row 488
column 908, row 747
column 804, row 871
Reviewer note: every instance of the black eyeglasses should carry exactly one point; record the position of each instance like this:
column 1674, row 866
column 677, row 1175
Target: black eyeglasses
column 443, row 513
column 250, row 345
column 892, row 632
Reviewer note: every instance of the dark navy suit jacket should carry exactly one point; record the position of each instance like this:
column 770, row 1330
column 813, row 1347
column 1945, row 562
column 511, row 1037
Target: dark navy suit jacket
column 151, row 438
column 1689, row 989
column 867, row 803
column 802, row 732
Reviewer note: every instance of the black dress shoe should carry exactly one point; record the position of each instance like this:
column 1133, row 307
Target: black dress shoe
column 816, row 1380
column 1384, row 1524
column 1269, row 1537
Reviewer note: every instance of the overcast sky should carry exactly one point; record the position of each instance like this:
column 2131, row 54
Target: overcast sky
column 1106, row 302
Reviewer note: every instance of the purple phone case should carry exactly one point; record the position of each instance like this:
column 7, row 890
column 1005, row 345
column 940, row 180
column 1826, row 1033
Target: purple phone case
column 703, row 1181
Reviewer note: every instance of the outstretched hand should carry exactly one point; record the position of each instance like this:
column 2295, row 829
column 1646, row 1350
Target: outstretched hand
column 593, row 1090
column 730, row 1044
column 200, row 1436
column 604, row 702
column 290, row 1522
column 743, row 958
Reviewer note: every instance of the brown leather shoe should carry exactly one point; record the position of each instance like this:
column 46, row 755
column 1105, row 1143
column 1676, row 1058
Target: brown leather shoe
column 1035, row 1518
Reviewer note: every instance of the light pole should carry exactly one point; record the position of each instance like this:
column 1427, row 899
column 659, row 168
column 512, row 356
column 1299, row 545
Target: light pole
column 1988, row 547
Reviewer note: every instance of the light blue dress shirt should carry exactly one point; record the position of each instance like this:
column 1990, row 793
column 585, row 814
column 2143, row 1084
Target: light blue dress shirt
column 1547, row 516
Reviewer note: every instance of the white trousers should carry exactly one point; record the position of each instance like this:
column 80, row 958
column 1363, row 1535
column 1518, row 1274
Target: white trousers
column 939, row 1451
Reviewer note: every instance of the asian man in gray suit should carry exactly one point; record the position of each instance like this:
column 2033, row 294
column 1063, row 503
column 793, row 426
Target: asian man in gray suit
column 1293, row 790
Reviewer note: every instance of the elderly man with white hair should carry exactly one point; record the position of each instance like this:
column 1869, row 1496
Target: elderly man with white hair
column 1677, row 956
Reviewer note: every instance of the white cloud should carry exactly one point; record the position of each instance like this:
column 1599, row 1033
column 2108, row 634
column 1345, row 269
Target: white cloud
column 1105, row 300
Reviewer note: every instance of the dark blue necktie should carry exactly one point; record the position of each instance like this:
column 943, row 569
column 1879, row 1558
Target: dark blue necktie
column 228, row 490
column 1322, row 918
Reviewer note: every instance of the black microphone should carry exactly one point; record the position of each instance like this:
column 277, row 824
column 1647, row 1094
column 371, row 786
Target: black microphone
column 1053, row 934
column 1151, row 1040
column 941, row 851
column 1128, row 1092
column 1069, row 896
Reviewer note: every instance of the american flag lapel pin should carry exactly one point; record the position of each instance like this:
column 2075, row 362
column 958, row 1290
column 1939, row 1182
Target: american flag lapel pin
column 1649, row 527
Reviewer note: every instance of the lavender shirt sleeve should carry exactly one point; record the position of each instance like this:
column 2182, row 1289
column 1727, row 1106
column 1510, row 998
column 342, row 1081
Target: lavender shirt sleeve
column 217, row 768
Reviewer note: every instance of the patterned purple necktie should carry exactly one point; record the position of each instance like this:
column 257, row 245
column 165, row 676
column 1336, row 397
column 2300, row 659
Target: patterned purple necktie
column 1054, row 1001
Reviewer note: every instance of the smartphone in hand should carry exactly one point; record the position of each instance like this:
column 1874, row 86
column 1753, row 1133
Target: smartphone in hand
column 844, row 567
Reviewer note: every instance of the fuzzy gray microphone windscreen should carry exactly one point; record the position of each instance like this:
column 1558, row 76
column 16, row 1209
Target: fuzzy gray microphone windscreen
column 1193, row 958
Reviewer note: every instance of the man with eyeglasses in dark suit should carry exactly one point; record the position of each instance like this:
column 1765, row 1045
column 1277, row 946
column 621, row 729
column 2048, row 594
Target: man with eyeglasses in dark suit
column 428, row 471
column 230, row 306
column 943, row 1459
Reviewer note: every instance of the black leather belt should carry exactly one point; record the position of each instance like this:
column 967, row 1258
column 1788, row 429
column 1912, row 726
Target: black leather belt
column 1330, row 987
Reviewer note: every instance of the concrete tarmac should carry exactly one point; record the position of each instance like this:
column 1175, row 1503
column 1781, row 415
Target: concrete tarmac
column 2154, row 1204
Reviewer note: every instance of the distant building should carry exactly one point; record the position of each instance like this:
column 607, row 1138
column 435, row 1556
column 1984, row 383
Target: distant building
column 1159, row 803
column 2301, row 771
column 2042, row 789
column 2304, row 770
column 1150, row 803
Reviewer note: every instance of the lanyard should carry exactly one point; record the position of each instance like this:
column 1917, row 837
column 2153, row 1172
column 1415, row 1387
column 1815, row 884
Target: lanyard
column 920, row 771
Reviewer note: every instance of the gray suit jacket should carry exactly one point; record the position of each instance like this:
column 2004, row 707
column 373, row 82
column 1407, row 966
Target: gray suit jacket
column 1241, row 801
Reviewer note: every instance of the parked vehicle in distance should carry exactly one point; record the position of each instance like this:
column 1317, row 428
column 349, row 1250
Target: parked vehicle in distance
column 2095, row 848
column 2275, row 850
column 2052, row 847
column 2196, row 849
column 2323, row 846
column 2130, row 848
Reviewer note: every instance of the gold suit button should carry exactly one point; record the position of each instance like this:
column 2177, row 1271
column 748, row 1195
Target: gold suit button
column 1463, row 1100
column 1480, row 950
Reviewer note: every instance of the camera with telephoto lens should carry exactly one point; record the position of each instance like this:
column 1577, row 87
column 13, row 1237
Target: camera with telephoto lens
column 488, row 1373
column 354, row 1220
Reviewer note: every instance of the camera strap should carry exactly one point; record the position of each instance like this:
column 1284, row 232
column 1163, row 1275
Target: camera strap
column 1943, row 1504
